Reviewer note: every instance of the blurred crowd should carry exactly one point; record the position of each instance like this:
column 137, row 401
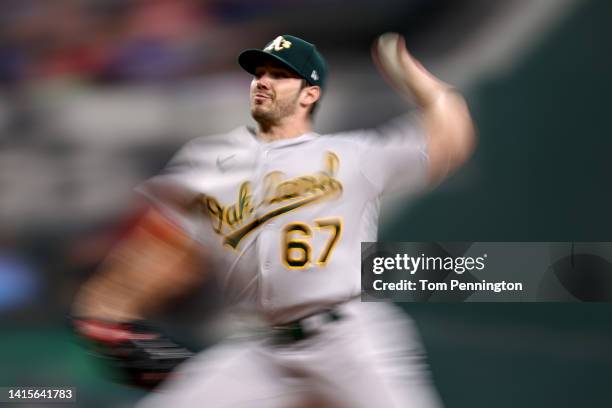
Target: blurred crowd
column 117, row 40
column 101, row 40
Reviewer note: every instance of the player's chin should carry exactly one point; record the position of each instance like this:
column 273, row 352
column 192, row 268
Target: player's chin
column 259, row 112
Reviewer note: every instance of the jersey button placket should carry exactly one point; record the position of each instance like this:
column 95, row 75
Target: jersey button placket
column 258, row 177
column 263, row 244
column 268, row 154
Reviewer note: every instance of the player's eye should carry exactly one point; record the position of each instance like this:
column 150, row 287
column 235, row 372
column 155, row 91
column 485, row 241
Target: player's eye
column 279, row 74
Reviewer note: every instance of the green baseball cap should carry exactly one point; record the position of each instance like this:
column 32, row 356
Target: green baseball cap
column 293, row 52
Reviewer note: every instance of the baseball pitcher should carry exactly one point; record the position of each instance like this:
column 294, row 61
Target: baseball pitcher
column 278, row 214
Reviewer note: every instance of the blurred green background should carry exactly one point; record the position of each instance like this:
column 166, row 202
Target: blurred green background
column 545, row 154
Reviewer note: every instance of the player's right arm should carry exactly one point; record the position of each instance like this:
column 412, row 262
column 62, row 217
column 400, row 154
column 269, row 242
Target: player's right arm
column 451, row 136
column 154, row 263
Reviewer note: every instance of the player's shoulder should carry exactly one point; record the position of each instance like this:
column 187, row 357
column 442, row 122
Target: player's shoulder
column 202, row 149
column 349, row 140
column 347, row 136
column 235, row 137
column 402, row 126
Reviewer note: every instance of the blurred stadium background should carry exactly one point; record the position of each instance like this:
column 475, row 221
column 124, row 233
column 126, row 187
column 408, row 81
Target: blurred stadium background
column 97, row 94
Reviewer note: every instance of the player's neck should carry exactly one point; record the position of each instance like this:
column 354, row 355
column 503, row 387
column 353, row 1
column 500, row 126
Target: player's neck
column 268, row 132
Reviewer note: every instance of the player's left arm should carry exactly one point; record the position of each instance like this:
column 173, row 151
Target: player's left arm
column 153, row 264
column 451, row 136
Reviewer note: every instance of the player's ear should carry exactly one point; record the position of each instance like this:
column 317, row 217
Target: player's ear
column 310, row 95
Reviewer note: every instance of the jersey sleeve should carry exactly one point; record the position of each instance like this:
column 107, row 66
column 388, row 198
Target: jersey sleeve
column 393, row 157
column 173, row 191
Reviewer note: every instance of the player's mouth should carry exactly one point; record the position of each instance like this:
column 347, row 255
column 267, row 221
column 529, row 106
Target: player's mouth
column 260, row 97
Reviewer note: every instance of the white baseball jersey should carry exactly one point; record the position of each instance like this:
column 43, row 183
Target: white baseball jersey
column 283, row 221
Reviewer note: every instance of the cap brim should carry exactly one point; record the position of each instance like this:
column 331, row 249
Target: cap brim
column 249, row 60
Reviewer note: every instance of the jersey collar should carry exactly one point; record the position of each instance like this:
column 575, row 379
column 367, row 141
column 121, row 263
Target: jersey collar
column 306, row 137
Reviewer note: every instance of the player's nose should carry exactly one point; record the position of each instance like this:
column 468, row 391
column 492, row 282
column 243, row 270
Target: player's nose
column 263, row 81
column 262, row 84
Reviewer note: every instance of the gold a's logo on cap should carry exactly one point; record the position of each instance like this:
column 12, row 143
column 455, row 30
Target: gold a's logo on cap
column 278, row 44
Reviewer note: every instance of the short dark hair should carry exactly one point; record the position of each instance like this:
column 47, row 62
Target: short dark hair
column 314, row 106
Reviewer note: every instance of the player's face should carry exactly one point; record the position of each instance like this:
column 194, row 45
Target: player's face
column 275, row 92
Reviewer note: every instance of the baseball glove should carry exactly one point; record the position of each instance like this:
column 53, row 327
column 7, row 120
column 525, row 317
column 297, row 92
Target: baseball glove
column 138, row 353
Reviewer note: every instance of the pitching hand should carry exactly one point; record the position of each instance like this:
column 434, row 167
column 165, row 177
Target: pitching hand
column 404, row 72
